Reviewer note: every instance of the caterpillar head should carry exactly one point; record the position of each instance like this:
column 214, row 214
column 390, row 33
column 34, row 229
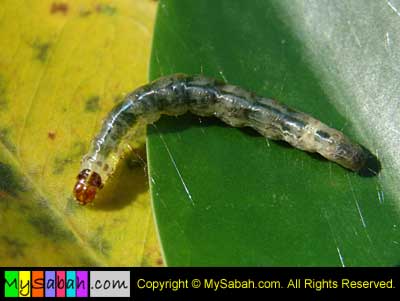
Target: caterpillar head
column 87, row 184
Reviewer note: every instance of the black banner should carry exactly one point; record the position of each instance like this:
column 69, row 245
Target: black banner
column 189, row 283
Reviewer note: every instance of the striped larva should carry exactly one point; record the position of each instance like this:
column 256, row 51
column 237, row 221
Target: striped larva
column 178, row 94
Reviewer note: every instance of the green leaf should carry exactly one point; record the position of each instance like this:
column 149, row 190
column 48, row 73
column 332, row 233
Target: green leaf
column 226, row 196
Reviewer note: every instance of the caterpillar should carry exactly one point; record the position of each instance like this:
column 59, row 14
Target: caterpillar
column 178, row 93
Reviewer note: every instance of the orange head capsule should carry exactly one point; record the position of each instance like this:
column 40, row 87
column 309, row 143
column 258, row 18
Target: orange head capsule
column 86, row 186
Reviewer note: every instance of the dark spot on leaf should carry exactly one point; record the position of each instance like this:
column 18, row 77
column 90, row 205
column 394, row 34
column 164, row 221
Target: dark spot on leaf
column 147, row 261
column 99, row 243
column 160, row 262
column 88, row 262
column 59, row 8
column 9, row 181
column 3, row 98
column 92, row 104
column 59, row 165
column 6, row 140
column 106, row 9
column 75, row 155
column 14, row 246
column 49, row 227
column 51, row 135
column 84, row 13
column 41, row 50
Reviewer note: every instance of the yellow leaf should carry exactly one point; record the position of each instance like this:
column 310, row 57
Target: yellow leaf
column 63, row 65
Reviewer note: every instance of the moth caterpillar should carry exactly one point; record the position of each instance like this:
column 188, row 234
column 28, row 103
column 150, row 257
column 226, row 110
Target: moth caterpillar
column 177, row 94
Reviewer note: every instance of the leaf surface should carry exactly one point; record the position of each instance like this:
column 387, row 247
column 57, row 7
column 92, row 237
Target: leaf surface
column 63, row 65
column 226, row 196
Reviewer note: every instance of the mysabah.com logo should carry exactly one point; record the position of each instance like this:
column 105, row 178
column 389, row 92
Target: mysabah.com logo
column 66, row 284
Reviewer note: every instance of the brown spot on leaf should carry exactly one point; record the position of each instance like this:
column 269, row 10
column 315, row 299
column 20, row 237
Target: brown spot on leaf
column 59, row 8
column 160, row 262
column 92, row 104
column 51, row 135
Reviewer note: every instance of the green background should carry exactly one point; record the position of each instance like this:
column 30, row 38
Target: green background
column 228, row 197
